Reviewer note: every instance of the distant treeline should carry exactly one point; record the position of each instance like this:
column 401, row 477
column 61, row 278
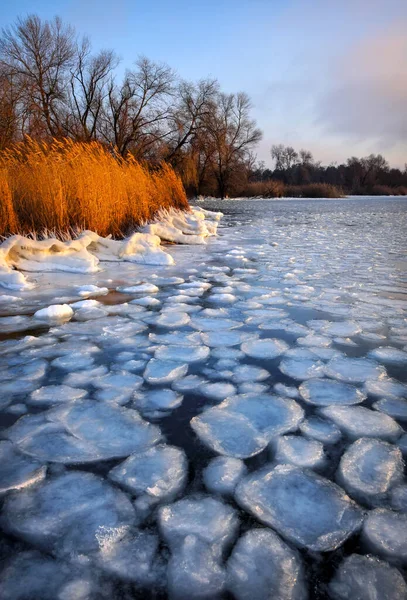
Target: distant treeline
column 53, row 87
column 298, row 174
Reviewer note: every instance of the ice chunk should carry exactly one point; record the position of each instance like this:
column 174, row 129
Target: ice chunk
column 184, row 354
column 315, row 340
column 218, row 390
column 216, row 339
column 228, row 433
column 16, row 470
column 120, row 381
column 213, row 324
column 91, row 290
column 265, row 348
column 271, row 415
column 398, row 496
column 305, row 508
column 133, row 558
column 321, row 430
column 286, row 390
column 160, row 372
column 172, row 320
column 369, row 468
column 386, row 388
column 246, row 373
column 146, row 301
column 55, row 394
column 301, row 368
column 222, row 475
column 367, row 578
column 209, row 519
column 68, row 515
column 325, row 392
column 389, row 355
column 297, row 450
column 55, row 313
column 357, row 421
column 32, row 575
column 396, row 408
column 385, row 533
column 159, row 473
column 190, row 383
column 162, row 400
column 354, row 370
column 140, row 288
column 262, row 566
column 84, row 378
column 342, row 329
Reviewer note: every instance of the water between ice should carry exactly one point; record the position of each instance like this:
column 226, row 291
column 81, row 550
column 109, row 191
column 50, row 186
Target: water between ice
column 228, row 426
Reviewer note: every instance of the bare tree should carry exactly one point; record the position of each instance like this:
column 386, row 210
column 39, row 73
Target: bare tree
column 40, row 54
column 88, row 90
column 233, row 134
column 137, row 110
column 285, row 156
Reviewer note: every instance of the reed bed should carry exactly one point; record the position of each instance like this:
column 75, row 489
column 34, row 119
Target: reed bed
column 66, row 186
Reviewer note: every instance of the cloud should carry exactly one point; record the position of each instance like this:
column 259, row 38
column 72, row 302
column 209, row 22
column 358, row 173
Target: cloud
column 368, row 97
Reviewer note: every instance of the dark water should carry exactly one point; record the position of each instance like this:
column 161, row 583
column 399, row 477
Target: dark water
column 285, row 270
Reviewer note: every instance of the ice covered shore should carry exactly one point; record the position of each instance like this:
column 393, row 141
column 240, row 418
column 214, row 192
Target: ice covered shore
column 83, row 254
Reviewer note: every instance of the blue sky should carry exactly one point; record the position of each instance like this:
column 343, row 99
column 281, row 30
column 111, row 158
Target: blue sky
column 325, row 75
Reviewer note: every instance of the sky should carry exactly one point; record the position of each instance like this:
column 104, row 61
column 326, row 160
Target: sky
column 326, row 75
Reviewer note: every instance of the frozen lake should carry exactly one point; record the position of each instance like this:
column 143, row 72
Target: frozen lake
column 230, row 426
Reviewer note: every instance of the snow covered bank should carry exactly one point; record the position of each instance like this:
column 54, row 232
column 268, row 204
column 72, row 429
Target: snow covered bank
column 83, row 254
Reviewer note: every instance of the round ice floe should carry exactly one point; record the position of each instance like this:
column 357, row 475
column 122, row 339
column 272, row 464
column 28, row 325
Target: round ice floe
column 324, row 392
column 218, row 390
column 190, row 383
column 185, row 354
column 161, row 372
column 30, row 370
column 91, row 290
column 209, row 519
column 172, row 320
column 389, row 355
column 265, row 348
column 73, row 362
column 398, row 498
column 342, row 329
column 119, row 380
column 297, row 450
column 305, row 508
column 271, row 415
column 385, row 533
column 213, row 324
column 49, row 579
column 396, row 408
column 369, row 468
column 158, row 473
column 262, row 566
column 357, row 421
column 161, row 400
column 315, row 340
column 146, row 301
column 133, row 558
column 354, row 370
column 85, row 377
column 16, row 470
column 402, row 444
column 252, row 387
column 68, row 515
column 367, row 578
column 140, row 288
column 286, row 390
column 386, row 388
column 90, row 314
column 247, row 373
column 228, row 433
column 222, row 474
column 216, row 339
column 301, row 369
column 55, row 394
column 54, row 313
column 222, row 298
column 321, row 430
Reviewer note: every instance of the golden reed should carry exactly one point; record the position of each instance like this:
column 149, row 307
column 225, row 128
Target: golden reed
column 66, row 186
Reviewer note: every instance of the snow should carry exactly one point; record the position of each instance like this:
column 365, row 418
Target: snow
column 369, row 468
column 306, row 509
column 367, row 578
column 222, row 475
column 262, row 566
column 326, row 392
column 54, row 313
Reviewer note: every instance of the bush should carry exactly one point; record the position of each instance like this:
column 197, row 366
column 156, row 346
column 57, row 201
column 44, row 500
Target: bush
column 71, row 185
column 263, row 189
column 382, row 190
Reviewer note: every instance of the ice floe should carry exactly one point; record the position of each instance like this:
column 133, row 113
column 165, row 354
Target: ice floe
column 305, row 508
column 222, row 475
column 326, row 392
column 16, row 470
column 358, row 421
column 299, row 451
column 385, row 533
